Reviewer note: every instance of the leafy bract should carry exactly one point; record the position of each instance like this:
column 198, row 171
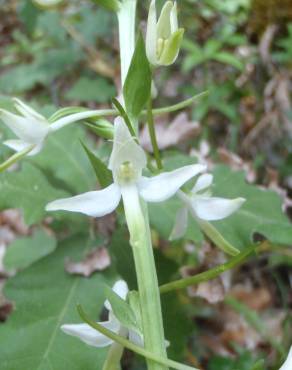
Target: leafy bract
column 25, row 251
column 137, row 86
column 45, row 297
column 29, row 190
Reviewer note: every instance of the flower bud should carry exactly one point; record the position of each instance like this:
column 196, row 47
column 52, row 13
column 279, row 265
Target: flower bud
column 163, row 38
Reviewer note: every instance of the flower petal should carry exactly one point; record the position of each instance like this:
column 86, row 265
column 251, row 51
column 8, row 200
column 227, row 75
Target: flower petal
column 27, row 111
column 180, row 225
column 203, row 182
column 165, row 185
column 163, row 24
column 173, row 18
column 30, row 130
column 91, row 336
column 19, row 145
column 125, row 149
column 121, row 289
column 151, row 34
column 212, row 209
column 287, row 365
column 93, row 203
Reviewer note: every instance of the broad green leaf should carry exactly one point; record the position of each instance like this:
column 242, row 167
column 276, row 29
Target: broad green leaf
column 29, row 190
column 25, row 251
column 122, row 310
column 103, row 174
column 46, row 297
column 88, row 89
column 137, row 87
column 228, row 58
column 63, row 158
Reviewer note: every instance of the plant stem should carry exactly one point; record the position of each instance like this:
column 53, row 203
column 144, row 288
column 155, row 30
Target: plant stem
column 140, row 240
column 126, row 20
column 152, row 134
column 208, row 275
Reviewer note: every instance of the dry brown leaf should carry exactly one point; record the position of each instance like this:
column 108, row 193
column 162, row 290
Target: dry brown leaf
column 179, row 130
column 97, row 260
column 237, row 163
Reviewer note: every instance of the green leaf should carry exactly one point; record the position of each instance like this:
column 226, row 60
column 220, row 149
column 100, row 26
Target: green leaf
column 46, row 297
column 25, row 251
column 64, row 160
column 29, row 190
column 103, row 174
column 102, row 128
column 88, row 89
column 228, row 58
column 122, row 310
column 137, row 87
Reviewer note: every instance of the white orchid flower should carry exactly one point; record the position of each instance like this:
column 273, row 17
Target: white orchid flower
column 92, row 337
column 201, row 205
column 32, row 128
column 126, row 163
column 287, row 365
column 163, row 38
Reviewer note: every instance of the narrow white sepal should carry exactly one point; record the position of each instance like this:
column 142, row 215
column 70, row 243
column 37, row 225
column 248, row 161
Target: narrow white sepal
column 151, row 34
column 27, row 111
column 91, row 336
column 92, row 203
column 287, row 365
column 19, row 145
column 212, row 208
column 165, row 185
column 180, row 225
column 163, row 24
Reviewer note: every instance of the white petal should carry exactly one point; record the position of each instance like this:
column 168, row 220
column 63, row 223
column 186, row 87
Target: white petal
column 163, row 24
column 121, row 289
column 27, row 111
column 136, row 338
column 165, row 185
column 151, row 34
column 203, row 182
column 212, row 209
column 287, row 365
column 125, row 149
column 91, row 336
column 180, row 225
column 27, row 129
column 19, row 145
column 93, row 203
column 173, row 19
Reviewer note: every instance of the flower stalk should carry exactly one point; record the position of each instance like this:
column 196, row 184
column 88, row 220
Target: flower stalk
column 140, row 240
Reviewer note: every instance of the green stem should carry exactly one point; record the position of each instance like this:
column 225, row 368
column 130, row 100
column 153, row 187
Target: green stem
column 208, row 275
column 165, row 362
column 15, row 158
column 152, row 134
column 140, row 240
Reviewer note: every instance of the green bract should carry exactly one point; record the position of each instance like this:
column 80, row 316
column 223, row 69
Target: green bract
column 163, row 38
